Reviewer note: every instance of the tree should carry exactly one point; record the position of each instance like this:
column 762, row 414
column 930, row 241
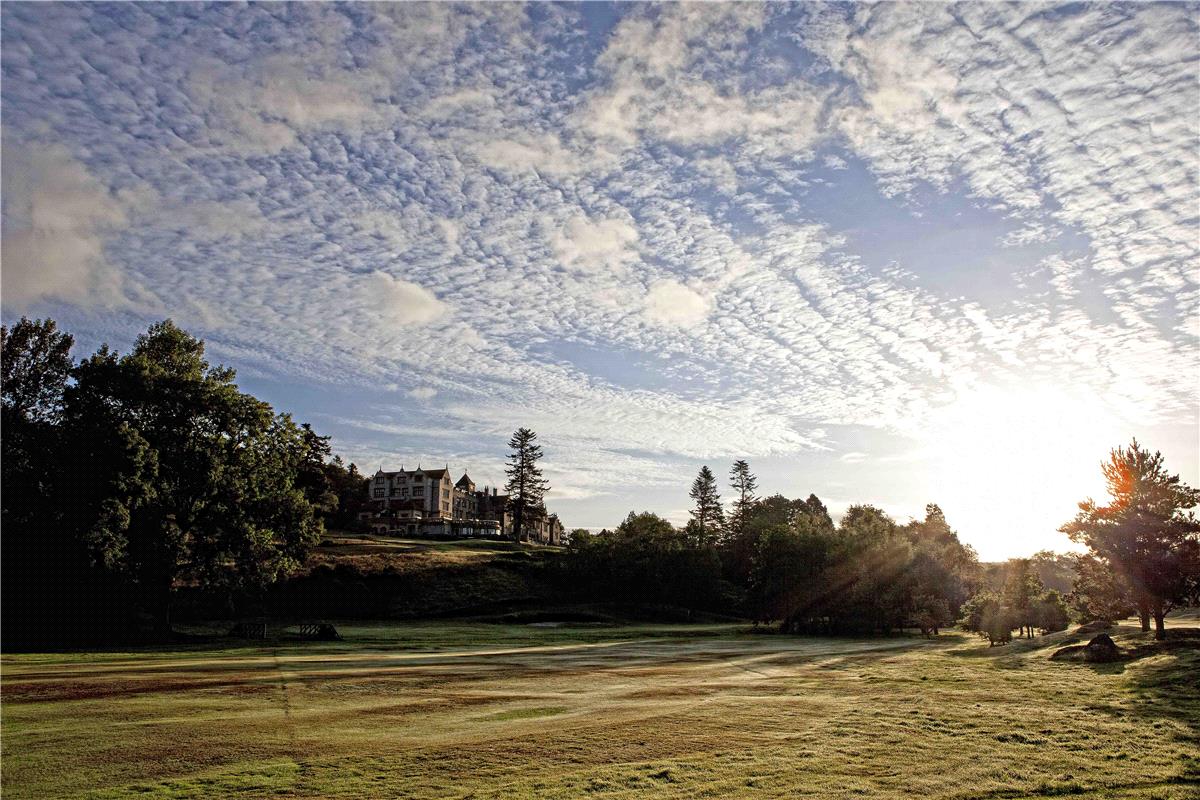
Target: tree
column 350, row 489
column 816, row 511
column 1056, row 570
column 188, row 479
column 578, row 536
column 1146, row 533
column 707, row 516
column 1022, row 591
column 874, row 560
column 1051, row 613
column 986, row 614
column 525, row 486
column 39, row 556
column 743, row 483
column 1098, row 593
column 644, row 560
column 777, row 574
column 35, row 359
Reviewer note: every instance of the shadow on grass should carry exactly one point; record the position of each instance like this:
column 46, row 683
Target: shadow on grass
column 1166, row 687
column 1073, row 788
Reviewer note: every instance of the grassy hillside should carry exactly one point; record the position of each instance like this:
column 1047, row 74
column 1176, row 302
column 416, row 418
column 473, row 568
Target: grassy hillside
column 434, row 710
column 367, row 576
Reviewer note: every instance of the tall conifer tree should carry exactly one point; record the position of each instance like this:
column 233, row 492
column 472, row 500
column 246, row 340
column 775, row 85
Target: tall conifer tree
column 707, row 516
column 743, row 483
column 525, row 486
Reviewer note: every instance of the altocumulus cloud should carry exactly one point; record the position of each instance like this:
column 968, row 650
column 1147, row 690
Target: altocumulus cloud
column 57, row 216
column 598, row 228
column 402, row 302
column 671, row 302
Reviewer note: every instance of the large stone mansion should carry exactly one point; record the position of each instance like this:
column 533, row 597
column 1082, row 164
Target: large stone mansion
column 425, row 502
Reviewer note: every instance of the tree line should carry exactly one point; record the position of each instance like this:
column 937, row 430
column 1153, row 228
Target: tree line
column 126, row 477
column 784, row 561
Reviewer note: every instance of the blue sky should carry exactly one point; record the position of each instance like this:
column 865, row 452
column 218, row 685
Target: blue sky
column 889, row 254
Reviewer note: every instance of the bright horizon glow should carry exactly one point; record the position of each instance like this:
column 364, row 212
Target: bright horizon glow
column 815, row 236
column 1011, row 463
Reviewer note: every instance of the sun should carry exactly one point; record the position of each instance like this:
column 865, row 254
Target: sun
column 1010, row 462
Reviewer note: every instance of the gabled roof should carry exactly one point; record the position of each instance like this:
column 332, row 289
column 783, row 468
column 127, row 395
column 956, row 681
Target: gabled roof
column 429, row 473
column 464, row 480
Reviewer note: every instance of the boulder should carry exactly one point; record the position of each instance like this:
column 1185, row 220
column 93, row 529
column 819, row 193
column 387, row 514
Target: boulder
column 1100, row 650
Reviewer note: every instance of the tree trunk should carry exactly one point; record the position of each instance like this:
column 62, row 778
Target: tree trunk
column 1144, row 615
column 518, row 519
column 1160, row 628
column 163, row 624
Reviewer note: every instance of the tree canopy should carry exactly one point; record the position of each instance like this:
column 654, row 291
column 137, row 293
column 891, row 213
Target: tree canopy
column 153, row 471
column 1146, row 533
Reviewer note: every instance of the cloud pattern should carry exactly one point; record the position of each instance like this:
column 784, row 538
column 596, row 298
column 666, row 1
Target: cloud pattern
column 642, row 230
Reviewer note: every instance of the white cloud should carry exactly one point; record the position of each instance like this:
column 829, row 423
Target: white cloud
column 522, row 153
column 402, row 302
column 671, row 303
column 57, row 219
column 423, row 393
column 600, row 245
column 265, row 106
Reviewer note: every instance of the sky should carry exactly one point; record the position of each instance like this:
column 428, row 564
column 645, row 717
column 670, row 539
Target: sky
column 890, row 254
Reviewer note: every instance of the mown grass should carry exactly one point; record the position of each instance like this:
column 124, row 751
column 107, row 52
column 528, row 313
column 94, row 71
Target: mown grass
column 488, row 711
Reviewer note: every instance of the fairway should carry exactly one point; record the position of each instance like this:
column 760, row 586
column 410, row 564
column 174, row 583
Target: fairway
column 487, row 711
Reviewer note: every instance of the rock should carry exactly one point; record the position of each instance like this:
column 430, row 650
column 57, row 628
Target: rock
column 1101, row 650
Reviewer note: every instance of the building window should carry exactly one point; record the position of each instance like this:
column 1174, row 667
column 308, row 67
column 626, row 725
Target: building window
column 379, row 492
column 404, row 492
column 418, row 491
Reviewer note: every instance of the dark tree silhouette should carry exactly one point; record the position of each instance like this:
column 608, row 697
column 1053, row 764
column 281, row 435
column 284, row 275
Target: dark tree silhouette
column 36, row 363
column 707, row 517
column 743, row 483
column 38, row 555
column 188, row 478
column 525, row 485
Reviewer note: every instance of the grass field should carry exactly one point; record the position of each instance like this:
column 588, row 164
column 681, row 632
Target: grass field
column 491, row 711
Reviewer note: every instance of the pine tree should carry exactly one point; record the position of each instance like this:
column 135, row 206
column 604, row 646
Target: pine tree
column 1146, row 533
column 743, row 483
column 707, row 516
column 525, row 486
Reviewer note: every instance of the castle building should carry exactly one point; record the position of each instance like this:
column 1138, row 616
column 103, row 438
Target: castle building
column 424, row 502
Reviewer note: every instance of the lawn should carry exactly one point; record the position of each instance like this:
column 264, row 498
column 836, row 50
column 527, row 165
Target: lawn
column 491, row 711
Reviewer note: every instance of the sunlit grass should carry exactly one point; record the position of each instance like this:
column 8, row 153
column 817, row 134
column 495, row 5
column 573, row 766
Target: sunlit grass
column 489, row 711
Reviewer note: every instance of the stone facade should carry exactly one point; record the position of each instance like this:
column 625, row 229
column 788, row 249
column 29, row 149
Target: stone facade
column 424, row 502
